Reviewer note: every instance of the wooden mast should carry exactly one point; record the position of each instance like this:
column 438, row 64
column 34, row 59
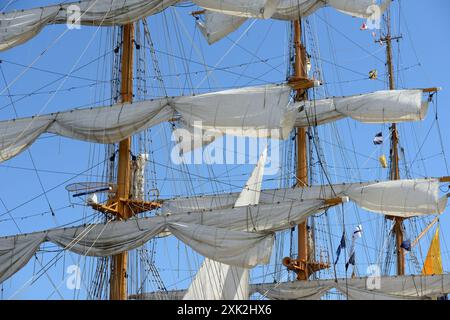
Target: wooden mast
column 118, row 282
column 303, row 265
column 394, row 158
column 302, row 161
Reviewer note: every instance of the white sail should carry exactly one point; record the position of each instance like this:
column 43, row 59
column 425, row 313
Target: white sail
column 219, row 21
column 19, row 26
column 216, row 26
column 414, row 287
column 245, row 249
column 218, row 281
column 377, row 107
column 262, row 111
column 288, row 9
column 241, row 236
column 404, row 198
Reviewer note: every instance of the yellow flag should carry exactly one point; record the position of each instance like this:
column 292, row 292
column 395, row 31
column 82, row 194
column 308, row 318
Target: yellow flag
column 433, row 262
column 383, row 161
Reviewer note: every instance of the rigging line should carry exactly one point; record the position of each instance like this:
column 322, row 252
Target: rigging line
column 351, row 40
column 208, row 67
column 348, row 69
column 7, row 5
column 55, row 72
column 29, row 94
column 422, row 145
column 440, row 135
column 228, row 51
column 64, row 81
column 177, row 22
column 35, row 214
column 46, row 49
column 28, row 150
column 54, row 81
column 44, row 268
column 52, row 188
column 255, row 54
column 12, row 218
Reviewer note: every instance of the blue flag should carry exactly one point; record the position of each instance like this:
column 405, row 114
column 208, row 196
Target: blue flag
column 340, row 247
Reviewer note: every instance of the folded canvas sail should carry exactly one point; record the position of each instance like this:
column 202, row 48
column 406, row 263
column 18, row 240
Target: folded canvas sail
column 377, row 107
column 224, row 17
column 403, row 198
column 252, row 111
column 412, row 287
column 261, row 111
column 18, row 27
column 241, row 236
column 391, row 288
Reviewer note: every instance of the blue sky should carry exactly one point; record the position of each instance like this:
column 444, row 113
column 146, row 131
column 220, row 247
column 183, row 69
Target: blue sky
column 259, row 56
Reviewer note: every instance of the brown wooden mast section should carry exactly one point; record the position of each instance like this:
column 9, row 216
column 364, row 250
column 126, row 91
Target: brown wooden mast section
column 120, row 204
column 394, row 173
column 303, row 265
column 118, row 282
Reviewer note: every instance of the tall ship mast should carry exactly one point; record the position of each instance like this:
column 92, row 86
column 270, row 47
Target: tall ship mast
column 254, row 184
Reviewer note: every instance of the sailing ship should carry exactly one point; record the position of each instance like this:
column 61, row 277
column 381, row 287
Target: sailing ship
column 237, row 240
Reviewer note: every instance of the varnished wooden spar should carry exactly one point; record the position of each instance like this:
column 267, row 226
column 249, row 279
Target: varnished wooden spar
column 118, row 281
column 394, row 157
column 303, row 266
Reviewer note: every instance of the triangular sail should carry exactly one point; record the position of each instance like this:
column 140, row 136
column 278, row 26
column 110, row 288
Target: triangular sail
column 218, row 281
column 433, row 261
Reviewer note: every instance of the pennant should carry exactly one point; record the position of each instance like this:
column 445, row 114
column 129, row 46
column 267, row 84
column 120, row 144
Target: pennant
column 351, row 261
column 356, row 234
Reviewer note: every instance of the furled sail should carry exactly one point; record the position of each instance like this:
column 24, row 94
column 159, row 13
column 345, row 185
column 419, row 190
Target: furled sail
column 404, row 198
column 391, row 288
column 252, row 111
column 224, row 17
column 377, row 107
column 411, row 287
column 241, row 236
column 20, row 26
column 218, row 281
column 261, row 111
